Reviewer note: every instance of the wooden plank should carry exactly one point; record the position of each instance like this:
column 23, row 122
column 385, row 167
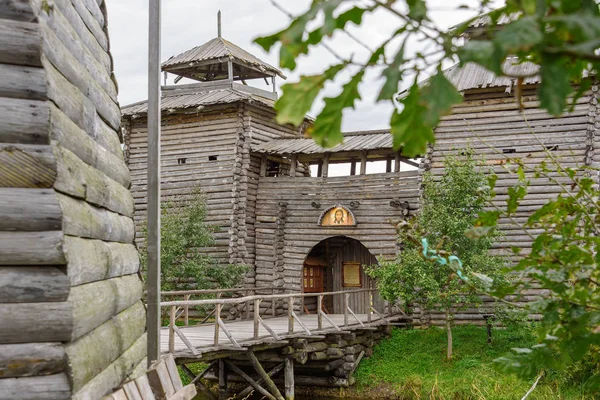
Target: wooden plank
column 173, row 373
column 160, row 381
column 29, row 210
column 132, row 391
column 143, row 386
column 31, row 248
column 31, row 359
column 33, row 285
column 186, row 393
column 51, row 387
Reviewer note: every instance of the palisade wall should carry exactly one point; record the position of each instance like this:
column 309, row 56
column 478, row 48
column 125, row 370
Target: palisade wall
column 73, row 324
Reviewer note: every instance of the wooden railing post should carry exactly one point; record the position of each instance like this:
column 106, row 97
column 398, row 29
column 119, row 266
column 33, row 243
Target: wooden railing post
column 346, row 305
column 172, row 330
column 369, row 302
column 217, row 322
column 290, row 315
column 186, row 311
column 319, row 312
column 256, row 318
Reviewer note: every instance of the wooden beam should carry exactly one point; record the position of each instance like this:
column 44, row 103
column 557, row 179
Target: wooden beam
column 266, row 378
column 244, row 393
column 251, row 381
column 353, row 168
column 230, row 70
column 222, row 380
column 388, row 164
column 397, row 161
column 263, row 165
column 289, row 378
column 293, row 164
column 325, row 171
column 320, row 169
column 363, row 163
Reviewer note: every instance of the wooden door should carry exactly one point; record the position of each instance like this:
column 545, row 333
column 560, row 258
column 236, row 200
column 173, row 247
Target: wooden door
column 314, row 281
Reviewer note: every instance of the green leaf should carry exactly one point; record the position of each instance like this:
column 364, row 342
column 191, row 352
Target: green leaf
column 483, row 52
column 392, row 75
column 408, row 128
column 521, row 35
column 438, row 97
column 327, row 129
column 417, row 9
column 298, row 98
column 555, row 86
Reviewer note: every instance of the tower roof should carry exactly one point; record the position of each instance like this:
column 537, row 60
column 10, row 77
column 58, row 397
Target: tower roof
column 209, row 62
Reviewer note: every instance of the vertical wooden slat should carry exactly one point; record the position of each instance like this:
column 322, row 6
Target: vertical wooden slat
column 325, row 170
column 369, row 302
column 186, row 311
column 290, row 315
column 363, row 163
column 256, row 318
column 217, row 322
column 172, row 330
column 319, row 312
column 346, row 298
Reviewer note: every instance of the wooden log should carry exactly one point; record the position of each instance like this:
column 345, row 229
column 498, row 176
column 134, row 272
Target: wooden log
column 263, row 374
column 95, row 351
column 113, row 375
column 160, row 380
column 249, row 380
column 20, row 43
column 24, row 121
column 22, row 82
column 31, row 359
column 33, row 285
column 84, row 220
column 97, row 302
column 103, row 152
column 51, row 387
column 29, row 210
column 78, row 179
column 93, row 260
column 289, row 379
column 26, row 166
column 333, row 365
column 18, row 10
column 35, row 322
column 316, row 346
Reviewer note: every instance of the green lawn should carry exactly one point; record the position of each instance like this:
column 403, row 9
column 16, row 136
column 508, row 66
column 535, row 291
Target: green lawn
column 413, row 364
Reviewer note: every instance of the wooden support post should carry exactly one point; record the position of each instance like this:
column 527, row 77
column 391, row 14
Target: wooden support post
column 369, row 302
column 217, row 322
column 320, row 169
column 289, row 378
column 293, row 163
column 388, row 164
column 263, row 165
column 346, row 306
column 353, row 167
column 222, row 381
column 273, row 307
column 256, row 318
column 363, row 163
column 325, row 172
column 186, row 311
column 172, row 330
column 265, row 377
column 196, row 380
column 244, row 393
column 247, row 305
column 230, row 70
column 397, row 161
column 153, row 210
column 251, row 381
column 273, row 84
column 290, row 315
column 319, row 312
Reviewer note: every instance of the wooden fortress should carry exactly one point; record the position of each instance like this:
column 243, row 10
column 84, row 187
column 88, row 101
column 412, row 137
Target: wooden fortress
column 279, row 218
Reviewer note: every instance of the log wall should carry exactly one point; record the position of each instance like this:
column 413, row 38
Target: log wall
column 69, row 289
column 489, row 121
column 288, row 210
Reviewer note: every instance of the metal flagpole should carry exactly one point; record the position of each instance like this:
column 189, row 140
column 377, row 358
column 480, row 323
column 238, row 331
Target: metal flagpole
column 153, row 317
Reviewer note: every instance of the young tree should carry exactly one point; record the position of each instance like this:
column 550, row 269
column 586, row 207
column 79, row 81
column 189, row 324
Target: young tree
column 184, row 232
column 451, row 205
column 561, row 36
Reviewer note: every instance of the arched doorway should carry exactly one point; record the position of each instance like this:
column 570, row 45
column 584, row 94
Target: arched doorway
column 336, row 264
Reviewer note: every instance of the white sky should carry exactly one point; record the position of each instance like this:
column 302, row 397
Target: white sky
column 189, row 23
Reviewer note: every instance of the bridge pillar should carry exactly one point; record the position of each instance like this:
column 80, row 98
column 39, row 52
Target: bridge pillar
column 289, row 378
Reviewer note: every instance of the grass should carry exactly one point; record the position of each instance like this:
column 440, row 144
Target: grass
column 413, row 363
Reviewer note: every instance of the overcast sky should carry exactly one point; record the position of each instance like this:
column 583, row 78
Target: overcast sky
column 189, row 23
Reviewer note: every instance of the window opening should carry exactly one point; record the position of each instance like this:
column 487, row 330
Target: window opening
column 181, row 160
column 213, row 158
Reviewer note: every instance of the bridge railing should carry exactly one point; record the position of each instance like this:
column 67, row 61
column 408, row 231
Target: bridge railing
column 258, row 322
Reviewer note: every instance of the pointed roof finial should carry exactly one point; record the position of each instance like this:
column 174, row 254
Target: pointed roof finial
column 219, row 23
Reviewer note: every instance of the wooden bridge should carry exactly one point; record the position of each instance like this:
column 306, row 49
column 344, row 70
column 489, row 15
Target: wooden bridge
column 256, row 341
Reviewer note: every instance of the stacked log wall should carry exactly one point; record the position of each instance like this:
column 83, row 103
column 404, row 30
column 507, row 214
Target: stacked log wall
column 489, row 121
column 288, row 210
column 73, row 324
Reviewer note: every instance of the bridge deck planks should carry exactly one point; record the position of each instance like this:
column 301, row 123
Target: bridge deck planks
column 202, row 336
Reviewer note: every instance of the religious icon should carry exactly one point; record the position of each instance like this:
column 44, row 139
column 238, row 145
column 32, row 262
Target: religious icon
column 338, row 216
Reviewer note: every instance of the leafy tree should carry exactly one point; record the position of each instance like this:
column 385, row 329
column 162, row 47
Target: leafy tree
column 451, row 205
column 184, row 232
column 561, row 36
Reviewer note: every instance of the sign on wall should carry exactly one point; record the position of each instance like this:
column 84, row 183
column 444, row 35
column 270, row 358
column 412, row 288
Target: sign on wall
column 337, row 216
column 351, row 274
